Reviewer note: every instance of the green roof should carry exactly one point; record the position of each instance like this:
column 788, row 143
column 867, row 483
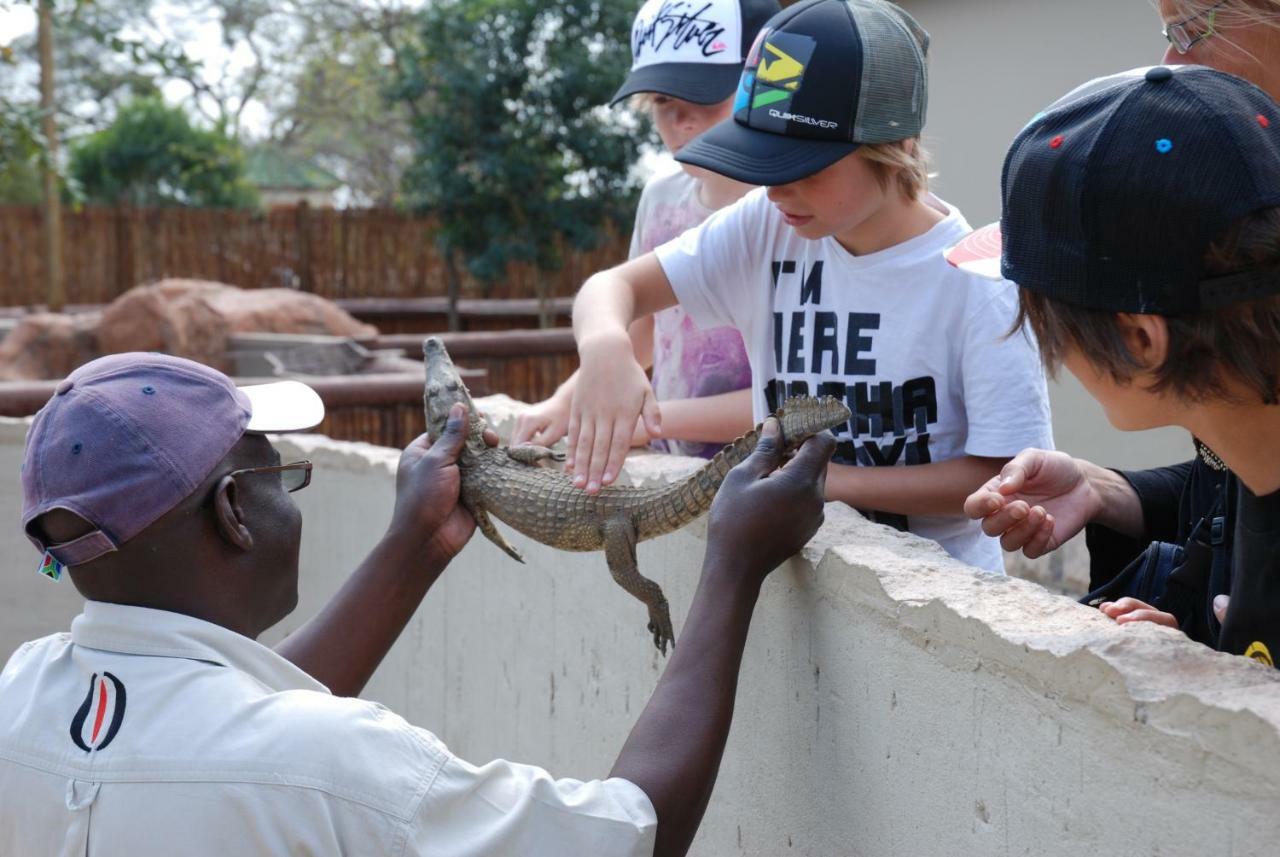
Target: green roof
column 272, row 169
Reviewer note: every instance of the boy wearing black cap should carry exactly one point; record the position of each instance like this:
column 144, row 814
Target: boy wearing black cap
column 1142, row 225
column 686, row 60
column 835, row 278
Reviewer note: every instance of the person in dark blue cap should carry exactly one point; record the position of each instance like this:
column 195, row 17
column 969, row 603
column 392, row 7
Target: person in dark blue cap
column 836, row 279
column 1142, row 225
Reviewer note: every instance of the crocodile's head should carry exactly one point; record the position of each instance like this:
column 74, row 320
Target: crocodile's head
column 444, row 390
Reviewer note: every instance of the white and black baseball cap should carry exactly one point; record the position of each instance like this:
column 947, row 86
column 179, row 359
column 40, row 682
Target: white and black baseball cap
column 693, row 51
column 823, row 78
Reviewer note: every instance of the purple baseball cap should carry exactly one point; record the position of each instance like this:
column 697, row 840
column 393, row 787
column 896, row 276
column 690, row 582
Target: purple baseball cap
column 127, row 437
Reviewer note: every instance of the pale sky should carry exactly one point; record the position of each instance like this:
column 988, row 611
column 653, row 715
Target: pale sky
column 15, row 22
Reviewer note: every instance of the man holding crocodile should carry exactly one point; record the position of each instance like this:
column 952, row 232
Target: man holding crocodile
column 159, row 704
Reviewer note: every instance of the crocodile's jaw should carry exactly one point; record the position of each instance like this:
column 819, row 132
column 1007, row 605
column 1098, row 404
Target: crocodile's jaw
column 444, row 388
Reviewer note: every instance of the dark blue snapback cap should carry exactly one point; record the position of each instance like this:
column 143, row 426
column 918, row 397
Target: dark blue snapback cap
column 1113, row 194
column 823, row 78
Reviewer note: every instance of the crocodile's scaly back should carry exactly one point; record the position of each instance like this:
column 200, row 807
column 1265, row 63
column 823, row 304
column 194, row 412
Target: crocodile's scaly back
column 801, row 419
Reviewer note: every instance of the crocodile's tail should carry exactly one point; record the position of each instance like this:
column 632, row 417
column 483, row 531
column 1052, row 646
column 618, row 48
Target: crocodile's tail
column 802, row 417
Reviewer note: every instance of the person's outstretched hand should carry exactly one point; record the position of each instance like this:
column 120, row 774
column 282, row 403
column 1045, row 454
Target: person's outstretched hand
column 611, row 394
column 427, row 484
column 1129, row 609
column 545, row 423
column 766, row 511
column 1039, row 501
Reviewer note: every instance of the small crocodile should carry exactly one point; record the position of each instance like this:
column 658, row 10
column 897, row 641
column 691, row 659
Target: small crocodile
column 542, row 502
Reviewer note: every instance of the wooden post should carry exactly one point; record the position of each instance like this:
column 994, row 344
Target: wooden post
column 126, row 264
column 54, row 286
column 454, row 282
column 306, row 281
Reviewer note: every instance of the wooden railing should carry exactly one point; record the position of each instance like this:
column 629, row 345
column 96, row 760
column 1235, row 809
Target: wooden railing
column 387, row 409
column 381, row 409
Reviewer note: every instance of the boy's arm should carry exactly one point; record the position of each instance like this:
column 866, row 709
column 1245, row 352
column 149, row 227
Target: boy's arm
column 710, row 419
column 612, row 391
column 938, row 488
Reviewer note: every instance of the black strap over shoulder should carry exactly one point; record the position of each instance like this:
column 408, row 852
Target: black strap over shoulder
column 1177, row 579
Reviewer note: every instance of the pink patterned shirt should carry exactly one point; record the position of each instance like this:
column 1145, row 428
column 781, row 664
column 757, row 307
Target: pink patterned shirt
column 689, row 362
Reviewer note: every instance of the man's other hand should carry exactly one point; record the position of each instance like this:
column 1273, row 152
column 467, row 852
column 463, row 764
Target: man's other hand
column 766, row 511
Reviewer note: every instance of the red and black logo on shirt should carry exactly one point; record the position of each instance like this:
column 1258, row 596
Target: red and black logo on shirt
column 101, row 713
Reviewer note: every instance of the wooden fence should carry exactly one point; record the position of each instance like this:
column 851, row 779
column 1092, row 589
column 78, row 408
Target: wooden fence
column 348, row 253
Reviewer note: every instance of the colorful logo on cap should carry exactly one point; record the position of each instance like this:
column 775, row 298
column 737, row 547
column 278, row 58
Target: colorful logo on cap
column 51, row 568
column 99, row 717
column 773, row 75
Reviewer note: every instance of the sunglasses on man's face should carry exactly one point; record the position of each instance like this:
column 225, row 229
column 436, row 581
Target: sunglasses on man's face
column 293, row 476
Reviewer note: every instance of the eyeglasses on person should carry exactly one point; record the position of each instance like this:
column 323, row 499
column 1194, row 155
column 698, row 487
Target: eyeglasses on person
column 1183, row 36
column 293, row 476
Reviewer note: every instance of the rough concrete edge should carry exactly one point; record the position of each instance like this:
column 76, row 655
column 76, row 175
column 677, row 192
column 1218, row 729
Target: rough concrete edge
column 1155, row 676
column 342, row 455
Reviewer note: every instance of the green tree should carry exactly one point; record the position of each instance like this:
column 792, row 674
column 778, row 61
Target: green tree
column 335, row 111
column 515, row 156
column 153, row 156
column 21, row 154
column 308, row 77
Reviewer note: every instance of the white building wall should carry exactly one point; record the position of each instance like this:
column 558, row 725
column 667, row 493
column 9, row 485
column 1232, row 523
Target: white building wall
column 892, row 702
column 995, row 64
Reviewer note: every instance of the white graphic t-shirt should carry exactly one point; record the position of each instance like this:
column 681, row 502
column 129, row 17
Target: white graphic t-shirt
column 689, row 362
column 915, row 347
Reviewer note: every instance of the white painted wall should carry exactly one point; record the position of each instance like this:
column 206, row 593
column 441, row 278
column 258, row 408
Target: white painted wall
column 892, row 701
column 995, row 64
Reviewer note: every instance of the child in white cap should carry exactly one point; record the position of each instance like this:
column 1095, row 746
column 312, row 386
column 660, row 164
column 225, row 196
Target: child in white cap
column 686, row 62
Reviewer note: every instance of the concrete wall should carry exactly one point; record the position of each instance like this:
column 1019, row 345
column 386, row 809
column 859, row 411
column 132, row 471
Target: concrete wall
column 995, row 64
column 892, row 702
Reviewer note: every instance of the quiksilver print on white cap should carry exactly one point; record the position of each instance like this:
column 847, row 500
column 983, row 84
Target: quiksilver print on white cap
column 692, row 49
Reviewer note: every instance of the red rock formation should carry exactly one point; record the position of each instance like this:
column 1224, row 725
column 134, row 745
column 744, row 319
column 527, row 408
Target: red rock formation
column 48, row 345
column 187, row 318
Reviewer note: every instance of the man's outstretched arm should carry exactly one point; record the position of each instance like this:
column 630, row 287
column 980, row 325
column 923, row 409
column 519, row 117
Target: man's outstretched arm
column 762, row 515
column 344, row 643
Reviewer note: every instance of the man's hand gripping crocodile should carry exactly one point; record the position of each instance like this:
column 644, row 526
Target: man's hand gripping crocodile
column 507, row 483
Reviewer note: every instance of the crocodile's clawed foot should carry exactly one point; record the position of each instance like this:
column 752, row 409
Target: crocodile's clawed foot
column 533, row 455
column 660, row 627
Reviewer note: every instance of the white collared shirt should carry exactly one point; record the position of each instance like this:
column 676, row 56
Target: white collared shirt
column 143, row 732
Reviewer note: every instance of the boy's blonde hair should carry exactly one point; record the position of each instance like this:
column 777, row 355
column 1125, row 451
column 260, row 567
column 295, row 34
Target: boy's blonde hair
column 905, row 162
